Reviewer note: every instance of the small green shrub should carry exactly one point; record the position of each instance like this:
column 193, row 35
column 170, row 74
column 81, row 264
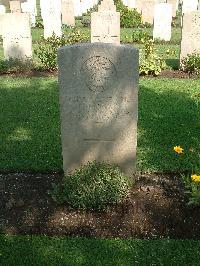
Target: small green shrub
column 39, row 23
column 191, row 64
column 86, row 21
column 129, row 18
column 150, row 61
column 15, row 66
column 47, row 49
column 94, row 186
column 140, row 36
column 75, row 36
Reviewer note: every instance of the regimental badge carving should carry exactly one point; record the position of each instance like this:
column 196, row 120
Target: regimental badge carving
column 99, row 73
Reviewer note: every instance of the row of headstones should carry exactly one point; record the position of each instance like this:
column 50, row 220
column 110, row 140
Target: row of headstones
column 105, row 28
column 99, row 96
column 53, row 12
column 28, row 7
column 147, row 8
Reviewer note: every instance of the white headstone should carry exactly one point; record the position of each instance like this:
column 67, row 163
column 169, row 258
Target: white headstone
column 107, row 5
column 174, row 6
column 2, row 9
column 99, row 104
column 16, row 32
column 79, row 7
column 52, row 18
column 68, row 13
column 105, row 27
column 162, row 21
column 190, row 42
column 2, row 12
column 148, row 11
column 131, row 4
column 15, row 7
column 29, row 8
column 189, row 6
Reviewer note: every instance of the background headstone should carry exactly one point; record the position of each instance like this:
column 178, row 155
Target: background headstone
column 107, row 5
column 68, row 13
column 2, row 9
column 174, row 6
column 30, row 8
column 148, row 11
column 15, row 7
column 189, row 6
column 162, row 21
column 2, row 12
column 190, row 42
column 131, row 4
column 105, row 27
column 99, row 104
column 16, row 32
column 52, row 18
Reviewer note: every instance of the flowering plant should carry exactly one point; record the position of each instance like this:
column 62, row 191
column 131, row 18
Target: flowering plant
column 192, row 179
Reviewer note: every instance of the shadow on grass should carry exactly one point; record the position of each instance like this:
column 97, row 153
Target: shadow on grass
column 30, row 126
column 82, row 251
column 169, row 115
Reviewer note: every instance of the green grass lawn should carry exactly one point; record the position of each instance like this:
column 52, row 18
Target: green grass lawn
column 19, row 250
column 169, row 115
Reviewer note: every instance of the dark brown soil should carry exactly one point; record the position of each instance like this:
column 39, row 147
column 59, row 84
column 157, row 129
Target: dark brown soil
column 164, row 74
column 156, row 208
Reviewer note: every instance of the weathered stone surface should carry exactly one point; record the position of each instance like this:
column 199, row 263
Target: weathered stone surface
column 98, row 103
column 51, row 14
column 16, row 32
column 147, row 11
column 174, row 7
column 68, row 13
column 105, row 27
column 162, row 21
column 190, row 42
column 15, row 7
column 189, row 6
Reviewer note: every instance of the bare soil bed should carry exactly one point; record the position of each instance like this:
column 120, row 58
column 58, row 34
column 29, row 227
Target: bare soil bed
column 164, row 74
column 156, row 208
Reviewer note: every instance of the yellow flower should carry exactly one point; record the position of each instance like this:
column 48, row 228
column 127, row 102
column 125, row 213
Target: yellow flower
column 196, row 178
column 178, row 149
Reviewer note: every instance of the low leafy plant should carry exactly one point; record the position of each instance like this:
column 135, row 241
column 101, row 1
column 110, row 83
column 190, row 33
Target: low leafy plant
column 75, row 36
column 94, row 186
column 46, row 51
column 86, row 21
column 150, row 61
column 191, row 179
column 15, row 66
column 128, row 17
column 39, row 23
column 191, row 64
column 140, row 36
